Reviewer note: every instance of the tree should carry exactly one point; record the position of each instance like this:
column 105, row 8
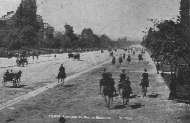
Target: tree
column 26, row 15
column 71, row 38
column 28, row 36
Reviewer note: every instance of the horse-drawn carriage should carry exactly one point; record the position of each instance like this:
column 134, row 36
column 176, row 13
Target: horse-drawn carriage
column 13, row 77
column 21, row 61
column 74, row 56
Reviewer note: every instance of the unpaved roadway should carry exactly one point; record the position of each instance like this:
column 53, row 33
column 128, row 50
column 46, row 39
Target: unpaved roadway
column 44, row 71
column 80, row 97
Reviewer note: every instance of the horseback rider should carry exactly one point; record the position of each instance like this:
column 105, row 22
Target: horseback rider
column 62, row 69
column 140, row 57
column 122, row 75
column 128, row 84
column 113, row 60
column 120, row 59
column 108, row 80
column 124, row 56
column 145, row 79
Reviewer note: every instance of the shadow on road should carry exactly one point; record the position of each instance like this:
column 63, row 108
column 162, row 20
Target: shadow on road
column 153, row 95
column 136, row 105
column 133, row 96
column 20, row 86
column 68, row 85
column 119, row 107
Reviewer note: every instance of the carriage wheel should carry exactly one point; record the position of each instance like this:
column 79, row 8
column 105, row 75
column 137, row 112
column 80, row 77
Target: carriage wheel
column 4, row 83
column 18, row 82
column 14, row 83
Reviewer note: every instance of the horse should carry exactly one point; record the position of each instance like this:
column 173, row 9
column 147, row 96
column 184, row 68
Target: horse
column 108, row 92
column 102, row 83
column 144, row 84
column 62, row 76
column 125, row 93
column 70, row 55
column 77, row 56
column 18, row 75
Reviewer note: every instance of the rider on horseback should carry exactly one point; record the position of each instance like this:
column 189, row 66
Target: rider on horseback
column 108, row 80
column 62, row 69
column 127, row 83
column 113, row 60
column 122, row 75
column 145, row 79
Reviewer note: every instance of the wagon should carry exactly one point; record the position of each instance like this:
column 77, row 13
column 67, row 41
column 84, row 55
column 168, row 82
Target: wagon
column 22, row 61
column 13, row 78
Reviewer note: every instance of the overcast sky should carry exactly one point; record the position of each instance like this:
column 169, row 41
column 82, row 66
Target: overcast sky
column 115, row 18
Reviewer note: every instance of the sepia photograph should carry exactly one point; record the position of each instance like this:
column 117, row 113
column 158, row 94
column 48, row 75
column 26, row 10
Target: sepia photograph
column 94, row 61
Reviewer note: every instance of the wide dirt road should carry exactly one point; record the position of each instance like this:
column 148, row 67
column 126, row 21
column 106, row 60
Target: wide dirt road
column 80, row 97
column 44, row 71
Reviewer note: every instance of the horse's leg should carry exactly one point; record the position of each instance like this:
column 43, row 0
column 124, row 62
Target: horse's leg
column 105, row 100
column 100, row 89
column 145, row 91
column 109, row 101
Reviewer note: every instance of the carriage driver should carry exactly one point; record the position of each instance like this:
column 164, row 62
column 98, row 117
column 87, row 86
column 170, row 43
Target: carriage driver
column 7, row 73
column 62, row 69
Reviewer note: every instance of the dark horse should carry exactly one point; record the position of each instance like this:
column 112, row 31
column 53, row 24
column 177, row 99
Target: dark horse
column 108, row 91
column 144, row 83
column 70, row 55
column 62, row 76
column 125, row 93
column 77, row 56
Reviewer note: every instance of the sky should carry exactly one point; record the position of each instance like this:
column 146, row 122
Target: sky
column 115, row 18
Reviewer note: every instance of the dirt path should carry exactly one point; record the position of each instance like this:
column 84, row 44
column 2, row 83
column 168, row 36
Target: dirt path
column 40, row 74
column 80, row 97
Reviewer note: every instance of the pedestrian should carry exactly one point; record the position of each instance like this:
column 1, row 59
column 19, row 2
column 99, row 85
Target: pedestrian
column 55, row 56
